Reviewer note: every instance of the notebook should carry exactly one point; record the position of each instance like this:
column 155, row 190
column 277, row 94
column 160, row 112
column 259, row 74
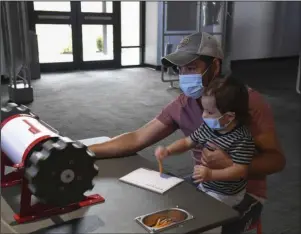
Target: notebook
column 151, row 180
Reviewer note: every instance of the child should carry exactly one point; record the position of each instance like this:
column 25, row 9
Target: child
column 225, row 114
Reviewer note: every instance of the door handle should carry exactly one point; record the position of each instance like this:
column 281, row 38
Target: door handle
column 98, row 17
column 52, row 17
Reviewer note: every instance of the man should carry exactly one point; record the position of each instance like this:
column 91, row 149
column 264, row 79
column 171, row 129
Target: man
column 198, row 58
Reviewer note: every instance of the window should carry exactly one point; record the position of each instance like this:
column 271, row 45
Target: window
column 52, row 6
column 130, row 33
column 130, row 23
column 130, row 56
column 58, row 50
column 97, row 7
column 97, row 42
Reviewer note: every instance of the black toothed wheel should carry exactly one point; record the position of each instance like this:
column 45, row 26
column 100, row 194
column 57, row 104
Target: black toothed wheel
column 61, row 172
column 11, row 109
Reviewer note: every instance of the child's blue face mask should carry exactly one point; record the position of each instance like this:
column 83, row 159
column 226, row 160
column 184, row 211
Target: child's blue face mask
column 192, row 84
column 214, row 123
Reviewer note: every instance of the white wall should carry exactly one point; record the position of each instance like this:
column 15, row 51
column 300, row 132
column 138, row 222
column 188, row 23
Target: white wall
column 151, row 33
column 266, row 30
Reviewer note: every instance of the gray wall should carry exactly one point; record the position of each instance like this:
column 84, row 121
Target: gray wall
column 266, row 29
column 260, row 30
column 153, row 31
column 288, row 27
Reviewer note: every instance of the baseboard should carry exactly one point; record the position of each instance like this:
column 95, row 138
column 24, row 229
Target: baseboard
column 155, row 67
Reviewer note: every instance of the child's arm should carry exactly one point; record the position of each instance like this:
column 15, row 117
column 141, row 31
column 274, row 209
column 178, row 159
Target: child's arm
column 234, row 172
column 180, row 146
column 241, row 154
column 177, row 147
column 199, row 136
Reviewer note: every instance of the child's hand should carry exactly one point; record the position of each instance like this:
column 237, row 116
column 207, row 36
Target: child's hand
column 201, row 174
column 161, row 153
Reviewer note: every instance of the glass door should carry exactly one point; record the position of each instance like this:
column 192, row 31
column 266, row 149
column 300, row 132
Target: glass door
column 77, row 35
column 53, row 25
column 98, row 34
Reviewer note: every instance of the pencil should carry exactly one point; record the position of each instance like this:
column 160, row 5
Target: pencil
column 160, row 166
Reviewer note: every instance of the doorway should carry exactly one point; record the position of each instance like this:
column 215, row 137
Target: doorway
column 86, row 35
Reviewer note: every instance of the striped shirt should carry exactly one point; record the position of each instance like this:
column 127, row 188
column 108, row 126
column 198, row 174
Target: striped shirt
column 238, row 144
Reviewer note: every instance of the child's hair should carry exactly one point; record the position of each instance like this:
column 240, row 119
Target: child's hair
column 231, row 95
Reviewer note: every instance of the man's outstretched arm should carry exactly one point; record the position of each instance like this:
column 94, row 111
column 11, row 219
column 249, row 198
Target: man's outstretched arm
column 130, row 143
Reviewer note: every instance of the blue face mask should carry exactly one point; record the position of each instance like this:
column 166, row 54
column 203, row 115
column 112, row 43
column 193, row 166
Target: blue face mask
column 214, row 123
column 191, row 85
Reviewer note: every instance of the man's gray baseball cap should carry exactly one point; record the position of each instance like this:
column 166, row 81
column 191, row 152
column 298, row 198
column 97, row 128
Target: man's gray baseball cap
column 192, row 47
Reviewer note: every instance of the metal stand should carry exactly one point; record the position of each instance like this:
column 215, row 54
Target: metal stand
column 19, row 89
column 30, row 212
column 12, row 178
column 168, row 50
column 39, row 210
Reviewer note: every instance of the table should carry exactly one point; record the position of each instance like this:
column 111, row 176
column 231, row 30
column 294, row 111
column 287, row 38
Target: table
column 123, row 203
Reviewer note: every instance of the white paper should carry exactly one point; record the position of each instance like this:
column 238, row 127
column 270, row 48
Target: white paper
column 151, row 180
column 95, row 140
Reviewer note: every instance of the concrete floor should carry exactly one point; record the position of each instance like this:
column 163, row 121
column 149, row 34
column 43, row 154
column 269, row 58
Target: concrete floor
column 87, row 104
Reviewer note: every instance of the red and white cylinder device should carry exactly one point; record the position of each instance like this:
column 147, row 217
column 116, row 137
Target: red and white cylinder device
column 58, row 170
column 20, row 133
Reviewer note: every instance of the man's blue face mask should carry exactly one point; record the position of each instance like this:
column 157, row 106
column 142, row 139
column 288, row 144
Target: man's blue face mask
column 192, row 84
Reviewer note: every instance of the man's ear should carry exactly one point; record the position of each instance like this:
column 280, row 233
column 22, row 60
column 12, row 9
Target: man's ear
column 216, row 66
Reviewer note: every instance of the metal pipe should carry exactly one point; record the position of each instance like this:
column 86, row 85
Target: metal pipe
column 22, row 71
column 11, row 49
column 298, row 76
column 163, row 28
column 26, row 41
column 228, row 12
column 20, row 30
